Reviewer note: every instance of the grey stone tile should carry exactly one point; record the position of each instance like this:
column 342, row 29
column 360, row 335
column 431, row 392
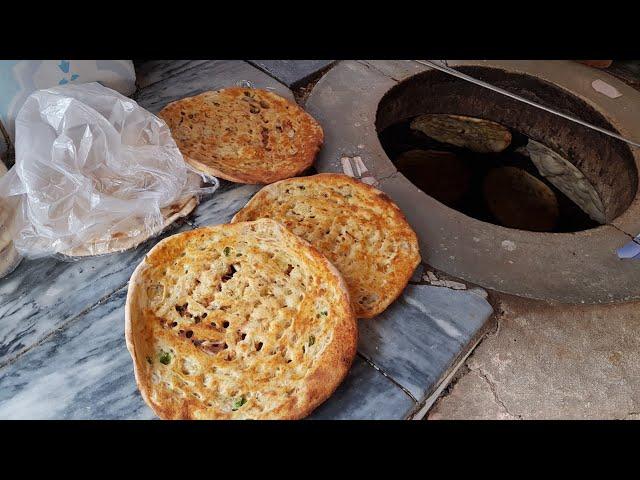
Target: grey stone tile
column 83, row 371
column 292, row 72
column 365, row 394
column 209, row 75
column 152, row 71
column 220, row 207
column 418, row 338
column 43, row 294
column 417, row 273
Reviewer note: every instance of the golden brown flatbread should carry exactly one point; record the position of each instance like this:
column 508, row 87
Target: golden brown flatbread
column 244, row 135
column 9, row 256
column 519, row 200
column 476, row 134
column 357, row 227
column 238, row 321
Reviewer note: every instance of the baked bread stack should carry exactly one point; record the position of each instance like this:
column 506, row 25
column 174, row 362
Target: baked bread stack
column 9, row 257
column 130, row 233
column 257, row 319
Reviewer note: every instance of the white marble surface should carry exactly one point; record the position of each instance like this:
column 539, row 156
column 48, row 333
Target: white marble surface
column 365, row 394
column 153, row 71
column 41, row 295
column 83, row 371
column 292, row 72
column 418, row 338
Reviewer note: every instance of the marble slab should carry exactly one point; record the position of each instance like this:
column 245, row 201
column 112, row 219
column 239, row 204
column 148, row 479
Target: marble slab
column 365, row 394
column 42, row 295
column 209, row 75
column 149, row 72
column 292, row 72
column 419, row 337
column 216, row 210
column 83, row 371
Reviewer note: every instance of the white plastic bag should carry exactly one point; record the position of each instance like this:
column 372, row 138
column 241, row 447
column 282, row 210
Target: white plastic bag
column 19, row 78
column 91, row 163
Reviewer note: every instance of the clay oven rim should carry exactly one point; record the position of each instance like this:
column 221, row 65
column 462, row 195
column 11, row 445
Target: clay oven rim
column 570, row 268
column 608, row 164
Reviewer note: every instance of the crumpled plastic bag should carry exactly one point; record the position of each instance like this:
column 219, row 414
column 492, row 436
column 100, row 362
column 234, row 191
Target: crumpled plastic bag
column 90, row 164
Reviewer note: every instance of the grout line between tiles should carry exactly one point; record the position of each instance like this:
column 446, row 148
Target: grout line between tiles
column 372, row 364
column 177, row 72
column 426, row 403
column 63, row 326
column 633, row 238
column 424, row 406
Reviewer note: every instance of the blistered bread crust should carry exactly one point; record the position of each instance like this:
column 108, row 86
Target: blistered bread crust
column 356, row 226
column 244, row 135
column 241, row 321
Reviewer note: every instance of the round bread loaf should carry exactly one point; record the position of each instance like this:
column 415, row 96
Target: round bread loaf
column 519, row 200
column 9, row 256
column 244, row 135
column 238, row 321
column 357, row 227
column 476, row 134
column 5, row 237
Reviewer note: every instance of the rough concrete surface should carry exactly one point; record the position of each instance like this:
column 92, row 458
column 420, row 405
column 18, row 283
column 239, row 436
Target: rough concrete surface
column 551, row 362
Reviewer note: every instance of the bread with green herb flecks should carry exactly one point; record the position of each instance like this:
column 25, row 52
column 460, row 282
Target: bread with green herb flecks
column 356, row 226
column 238, row 321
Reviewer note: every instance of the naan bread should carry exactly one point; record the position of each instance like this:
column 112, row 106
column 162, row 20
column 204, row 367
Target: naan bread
column 244, row 135
column 357, row 227
column 238, row 321
column 476, row 134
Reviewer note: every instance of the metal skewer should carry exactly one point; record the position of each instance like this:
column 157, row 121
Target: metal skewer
column 480, row 83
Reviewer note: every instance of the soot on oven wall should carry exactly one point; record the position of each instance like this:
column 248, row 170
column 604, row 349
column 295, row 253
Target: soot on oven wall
column 504, row 162
column 502, row 187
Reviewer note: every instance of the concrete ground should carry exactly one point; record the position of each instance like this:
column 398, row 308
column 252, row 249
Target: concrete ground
column 545, row 361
